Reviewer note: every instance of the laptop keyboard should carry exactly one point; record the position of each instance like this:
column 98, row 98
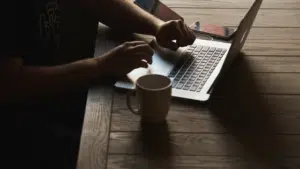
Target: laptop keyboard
column 198, row 65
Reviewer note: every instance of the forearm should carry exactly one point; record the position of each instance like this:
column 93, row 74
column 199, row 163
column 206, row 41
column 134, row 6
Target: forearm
column 123, row 15
column 28, row 82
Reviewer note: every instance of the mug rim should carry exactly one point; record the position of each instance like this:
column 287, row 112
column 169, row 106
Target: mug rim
column 149, row 89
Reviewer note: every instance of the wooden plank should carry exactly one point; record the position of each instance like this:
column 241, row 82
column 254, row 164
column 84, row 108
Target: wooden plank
column 263, row 64
column 192, row 162
column 157, row 140
column 273, row 42
column 267, row 83
column 232, row 17
column 281, row 115
column 267, row 4
column 95, row 133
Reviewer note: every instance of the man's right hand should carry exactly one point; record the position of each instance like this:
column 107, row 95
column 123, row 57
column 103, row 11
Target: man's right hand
column 125, row 58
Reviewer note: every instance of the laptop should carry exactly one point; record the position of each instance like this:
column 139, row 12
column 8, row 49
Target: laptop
column 195, row 69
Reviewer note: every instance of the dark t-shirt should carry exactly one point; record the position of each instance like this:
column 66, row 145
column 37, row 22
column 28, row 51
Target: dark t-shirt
column 30, row 29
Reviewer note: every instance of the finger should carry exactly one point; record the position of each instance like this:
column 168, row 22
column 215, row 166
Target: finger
column 134, row 43
column 143, row 64
column 179, row 33
column 142, row 56
column 191, row 35
column 138, row 63
column 142, row 48
column 166, row 43
column 172, row 45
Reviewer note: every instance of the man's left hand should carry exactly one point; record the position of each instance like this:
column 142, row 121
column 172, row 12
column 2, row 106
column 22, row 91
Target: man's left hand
column 175, row 30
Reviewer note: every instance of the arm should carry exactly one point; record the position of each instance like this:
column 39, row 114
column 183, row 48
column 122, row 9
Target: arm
column 21, row 83
column 125, row 13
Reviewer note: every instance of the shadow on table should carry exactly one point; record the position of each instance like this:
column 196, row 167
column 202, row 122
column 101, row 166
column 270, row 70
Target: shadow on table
column 243, row 112
column 156, row 145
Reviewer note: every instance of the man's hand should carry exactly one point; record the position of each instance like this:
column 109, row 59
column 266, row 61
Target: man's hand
column 124, row 58
column 175, row 30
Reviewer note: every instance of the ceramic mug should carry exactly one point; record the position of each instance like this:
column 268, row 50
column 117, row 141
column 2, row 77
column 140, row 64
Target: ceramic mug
column 153, row 94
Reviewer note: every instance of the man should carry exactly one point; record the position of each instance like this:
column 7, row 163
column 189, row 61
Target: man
column 30, row 42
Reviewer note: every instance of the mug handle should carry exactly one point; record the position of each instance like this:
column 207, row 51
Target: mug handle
column 129, row 94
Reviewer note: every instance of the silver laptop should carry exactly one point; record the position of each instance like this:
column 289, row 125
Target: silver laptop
column 194, row 69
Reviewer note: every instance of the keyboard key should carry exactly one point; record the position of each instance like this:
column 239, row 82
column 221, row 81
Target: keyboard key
column 198, row 80
column 193, row 88
column 212, row 49
column 223, row 51
column 218, row 49
column 194, row 75
column 180, row 74
column 192, row 79
column 174, row 83
column 193, row 46
column 186, row 88
column 177, row 78
column 189, row 82
column 179, row 86
column 199, row 90
column 188, row 85
column 197, row 83
column 188, row 54
column 205, row 48
column 198, row 48
column 182, row 81
column 194, row 64
column 189, row 51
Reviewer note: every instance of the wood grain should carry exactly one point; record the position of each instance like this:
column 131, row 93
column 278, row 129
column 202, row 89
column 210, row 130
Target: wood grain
column 192, row 162
column 273, row 42
column 165, row 143
column 267, row 4
column 280, row 64
column 281, row 114
column 232, row 17
column 95, row 134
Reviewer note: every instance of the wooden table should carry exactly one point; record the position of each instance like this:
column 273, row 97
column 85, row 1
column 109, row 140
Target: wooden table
column 252, row 121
